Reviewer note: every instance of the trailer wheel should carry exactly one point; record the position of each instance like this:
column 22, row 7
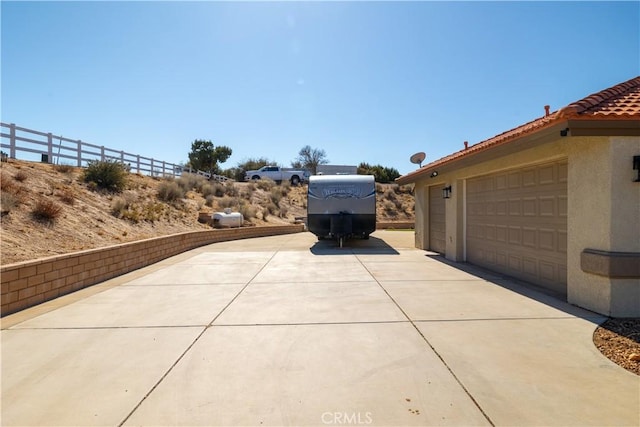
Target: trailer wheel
column 365, row 237
column 295, row 180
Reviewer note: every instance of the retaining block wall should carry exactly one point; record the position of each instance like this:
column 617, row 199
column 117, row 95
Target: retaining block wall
column 29, row 283
column 397, row 225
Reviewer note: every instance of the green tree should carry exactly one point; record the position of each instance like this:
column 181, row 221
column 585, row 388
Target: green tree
column 381, row 174
column 310, row 158
column 205, row 156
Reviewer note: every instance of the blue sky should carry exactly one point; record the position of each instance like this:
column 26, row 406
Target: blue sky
column 365, row 81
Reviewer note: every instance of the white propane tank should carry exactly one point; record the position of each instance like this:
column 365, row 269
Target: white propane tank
column 227, row 219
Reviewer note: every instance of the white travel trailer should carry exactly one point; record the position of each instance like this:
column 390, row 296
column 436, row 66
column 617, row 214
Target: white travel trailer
column 341, row 206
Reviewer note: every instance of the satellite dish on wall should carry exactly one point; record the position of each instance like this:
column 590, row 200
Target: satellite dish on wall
column 418, row 158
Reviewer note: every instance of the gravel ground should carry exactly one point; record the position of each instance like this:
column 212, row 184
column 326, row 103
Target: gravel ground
column 619, row 340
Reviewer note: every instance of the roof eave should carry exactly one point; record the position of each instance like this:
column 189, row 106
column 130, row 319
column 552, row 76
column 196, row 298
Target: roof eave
column 472, row 156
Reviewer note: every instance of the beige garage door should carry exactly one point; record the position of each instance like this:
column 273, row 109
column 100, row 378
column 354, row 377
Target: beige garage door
column 517, row 223
column 437, row 242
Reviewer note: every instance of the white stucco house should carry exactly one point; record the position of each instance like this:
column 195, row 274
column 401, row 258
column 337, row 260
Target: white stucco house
column 554, row 202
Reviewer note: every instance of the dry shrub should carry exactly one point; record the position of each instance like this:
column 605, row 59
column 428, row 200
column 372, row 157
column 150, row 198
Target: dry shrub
column 230, row 189
column 228, row 202
column 248, row 211
column 11, row 187
column 275, row 195
column 8, row 202
column 209, row 200
column 285, row 187
column 389, row 194
column 265, row 184
column 46, row 211
column 63, row 168
column 118, row 207
column 379, row 188
column 21, row 176
column 106, row 175
column 208, row 190
column 271, row 208
column 405, row 189
column 190, row 181
column 283, row 212
column 218, row 190
column 170, row 191
column 68, row 197
column 389, row 206
column 125, row 208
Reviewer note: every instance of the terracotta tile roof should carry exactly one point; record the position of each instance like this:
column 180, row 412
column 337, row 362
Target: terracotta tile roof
column 620, row 102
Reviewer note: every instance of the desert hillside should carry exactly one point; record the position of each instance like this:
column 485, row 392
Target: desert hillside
column 50, row 209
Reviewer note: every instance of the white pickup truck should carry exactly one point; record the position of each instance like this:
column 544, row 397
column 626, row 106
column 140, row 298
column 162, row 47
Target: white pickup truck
column 278, row 174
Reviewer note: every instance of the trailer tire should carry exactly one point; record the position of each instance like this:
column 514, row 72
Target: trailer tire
column 365, row 237
column 295, row 180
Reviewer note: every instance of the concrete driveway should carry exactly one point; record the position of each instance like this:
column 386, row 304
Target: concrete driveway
column 289, row 331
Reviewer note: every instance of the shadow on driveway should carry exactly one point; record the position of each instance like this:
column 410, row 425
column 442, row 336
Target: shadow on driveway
column 371, row 246
column 551, row 298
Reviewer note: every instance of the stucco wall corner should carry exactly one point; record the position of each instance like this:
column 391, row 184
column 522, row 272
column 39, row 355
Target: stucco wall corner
column 625, row 298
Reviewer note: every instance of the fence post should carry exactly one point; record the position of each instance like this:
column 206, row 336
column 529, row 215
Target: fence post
column 163, row 169
column 12, row 140
column 138, row 162
column 151, row 171
column 79, row 153
column 50, row 148
column 102, row 153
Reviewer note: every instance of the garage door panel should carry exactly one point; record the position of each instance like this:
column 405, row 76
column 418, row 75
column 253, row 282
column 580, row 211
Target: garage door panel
column 514, row 207
column 547, row 239
column 517, row 222
column 547, row 175
column 562, row 206
column 530, row 266
column 514, row 180
column 547, row 206
column 529, row 205
column 562, row 173
column 501, row 233
column 515, row 236
column 528, row 177
column 529, row 237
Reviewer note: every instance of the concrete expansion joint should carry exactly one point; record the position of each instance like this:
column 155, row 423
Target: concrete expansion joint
column 433, row 349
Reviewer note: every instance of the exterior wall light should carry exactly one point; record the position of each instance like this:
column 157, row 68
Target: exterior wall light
column 636, row 166
column 446, row 192
column 434, row 174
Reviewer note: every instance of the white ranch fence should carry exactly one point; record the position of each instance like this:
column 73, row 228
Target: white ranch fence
column 32, row 143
